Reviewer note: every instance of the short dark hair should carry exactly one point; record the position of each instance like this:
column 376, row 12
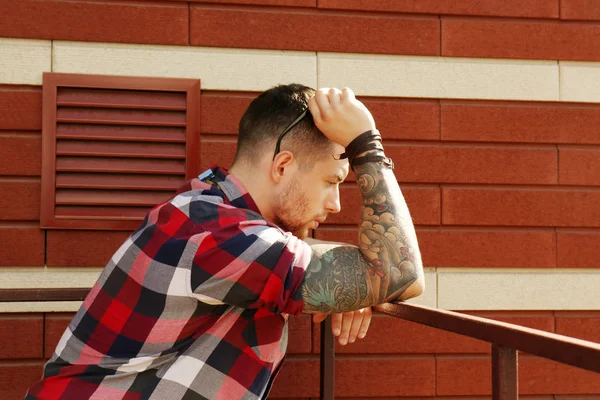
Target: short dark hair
column 269, row 114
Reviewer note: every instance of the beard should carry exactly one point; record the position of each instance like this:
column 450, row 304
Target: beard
column 291, row 210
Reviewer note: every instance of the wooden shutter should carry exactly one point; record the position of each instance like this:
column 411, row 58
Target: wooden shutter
column 113, row 147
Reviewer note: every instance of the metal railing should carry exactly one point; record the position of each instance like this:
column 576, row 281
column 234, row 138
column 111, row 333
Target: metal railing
column 506, row 340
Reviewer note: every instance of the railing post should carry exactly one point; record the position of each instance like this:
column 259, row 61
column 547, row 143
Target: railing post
column 327, row 360
column 505, row 382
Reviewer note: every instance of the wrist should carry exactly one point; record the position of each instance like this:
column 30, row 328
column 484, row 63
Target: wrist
column 367, row 141
column 358, row 134
column 367, row 148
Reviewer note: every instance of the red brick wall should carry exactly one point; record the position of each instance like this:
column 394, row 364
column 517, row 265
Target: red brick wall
column 530, row 168
column 543, row 29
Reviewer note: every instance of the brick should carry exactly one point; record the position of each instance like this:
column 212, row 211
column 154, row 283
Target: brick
column 21, row 246
column 542, row 320
column 244, row 70
column 520, row 207
column 313, row 31
column 406, row 376
column 584, row 326
column 297, row 376
column 28, row 343
column 579, row 9
column 217, row 151
column 343, row 234
column 55, row 326
column 17, row 377
column 412, row 376
column 519, row 39
column 472, row 398
column 519, row 122
column 423, row 203
column 497, row 249
column 221, row 112
column 521, row 290
column 455, row 375
column 475, row 164
column 579, row 166
column 388, row 335
column 579, row 82
column 405, row 118
column 507, row 8
column 578, row 249
column 24, row 61
column 20, row 200
column 96, row 21
column 541, row 376
column 294, row 3
column 21, row 154
column 20, row 108
column 82, row 248
column 536, row 376
column 396, row 118
column 443, row 77
column 471, row 248
column 300, row 335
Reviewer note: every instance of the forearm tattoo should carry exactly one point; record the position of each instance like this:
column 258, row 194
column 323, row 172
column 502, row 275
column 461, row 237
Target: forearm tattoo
column 344, row 278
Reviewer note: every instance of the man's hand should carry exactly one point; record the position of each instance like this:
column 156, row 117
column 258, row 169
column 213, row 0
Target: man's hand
column 339, row 115
column 349, row 325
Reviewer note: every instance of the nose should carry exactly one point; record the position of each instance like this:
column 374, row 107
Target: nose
column 333, row 204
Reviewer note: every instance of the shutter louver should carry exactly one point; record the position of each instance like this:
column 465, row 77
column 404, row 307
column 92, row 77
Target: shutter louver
column 113, row 147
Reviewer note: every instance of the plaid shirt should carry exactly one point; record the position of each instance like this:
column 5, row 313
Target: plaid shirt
column 194, row 305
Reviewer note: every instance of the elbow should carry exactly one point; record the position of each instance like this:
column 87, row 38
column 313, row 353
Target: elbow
column 415, row 289
column 418, row 286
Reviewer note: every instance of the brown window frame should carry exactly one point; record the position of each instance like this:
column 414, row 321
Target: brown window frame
column 51, row 83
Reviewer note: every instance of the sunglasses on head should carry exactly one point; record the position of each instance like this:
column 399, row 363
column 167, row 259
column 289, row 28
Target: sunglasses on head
column 286, row 130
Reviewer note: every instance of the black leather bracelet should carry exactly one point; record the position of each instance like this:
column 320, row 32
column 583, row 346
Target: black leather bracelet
column 375, row 145
column 357, row 146
column 373, row 158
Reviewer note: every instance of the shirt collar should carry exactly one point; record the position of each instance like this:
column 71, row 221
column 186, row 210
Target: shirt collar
column 237, row 195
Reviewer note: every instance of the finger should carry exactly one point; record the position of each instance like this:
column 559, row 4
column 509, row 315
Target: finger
column 336, row 324
column 322, row 96
column 346, row 324
column 366, row 322
column 322, row 99
column 356, row 324
column 347, row 94
column 314, row 109
column 319, row 317
column 335, row 97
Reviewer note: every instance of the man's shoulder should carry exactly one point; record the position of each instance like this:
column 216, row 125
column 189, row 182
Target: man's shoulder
column 210, row 203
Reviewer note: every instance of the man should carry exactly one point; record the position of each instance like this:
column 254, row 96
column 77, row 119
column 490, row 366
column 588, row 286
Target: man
column 195, row 304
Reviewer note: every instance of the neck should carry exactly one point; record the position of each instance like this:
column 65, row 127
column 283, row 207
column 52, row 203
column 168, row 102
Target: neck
column 254, row 181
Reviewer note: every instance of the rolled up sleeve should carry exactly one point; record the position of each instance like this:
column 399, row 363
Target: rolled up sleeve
column 251, row 264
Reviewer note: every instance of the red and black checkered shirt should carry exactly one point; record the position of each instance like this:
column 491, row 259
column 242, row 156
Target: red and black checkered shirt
column 194, row 305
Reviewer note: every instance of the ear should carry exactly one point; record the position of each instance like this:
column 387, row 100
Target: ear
column 284, row 163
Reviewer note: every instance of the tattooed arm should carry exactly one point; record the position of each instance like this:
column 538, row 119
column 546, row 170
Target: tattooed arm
column 387, row 264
